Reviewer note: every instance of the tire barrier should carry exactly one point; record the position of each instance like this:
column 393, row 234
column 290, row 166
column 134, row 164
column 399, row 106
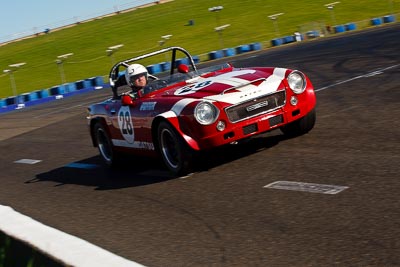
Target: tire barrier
column 154, row 69
column 79, row 85
column 181, row 61
column 339, row 28
column 350, row 26
column 196, row 59
column 215, row 54
column 288, row 39
column 255, row 46
column 243, row 49
column 389, row 19
column 276, row 42
column 165, row 66
column 95, row 81
column 45, row 95
column 57, row 90
column 376, row 21
column 11, row 100
column 228, row 52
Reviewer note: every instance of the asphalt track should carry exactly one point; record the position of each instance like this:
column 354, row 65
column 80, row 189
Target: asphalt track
column 222, row 215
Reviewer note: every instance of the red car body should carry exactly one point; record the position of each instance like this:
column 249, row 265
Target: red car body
column 199, row 110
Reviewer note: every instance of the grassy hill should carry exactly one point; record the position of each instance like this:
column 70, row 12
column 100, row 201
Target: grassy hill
column 140, row 31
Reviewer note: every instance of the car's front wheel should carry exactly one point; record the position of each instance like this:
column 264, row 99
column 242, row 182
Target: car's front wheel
column 176, row 154
column 109, row 156
column 300, row 126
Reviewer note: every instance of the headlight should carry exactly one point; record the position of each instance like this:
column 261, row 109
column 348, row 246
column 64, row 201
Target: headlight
column 206, row 113
column 297, row 82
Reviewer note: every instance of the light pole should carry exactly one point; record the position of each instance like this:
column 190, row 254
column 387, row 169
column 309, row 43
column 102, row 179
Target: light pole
column 274, row 19
column 60, row 62
column 111, row 50
column 391, row 6
column 13, row 68
column 219, row 30
column 216, row 9
column 330, row 7
column 164, row 39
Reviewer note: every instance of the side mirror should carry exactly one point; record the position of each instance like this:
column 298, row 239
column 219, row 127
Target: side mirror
column 183, row 68
column 126, row 100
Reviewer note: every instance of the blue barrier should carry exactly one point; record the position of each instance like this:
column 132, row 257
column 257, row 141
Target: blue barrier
column 196, row 59
column 255, row 46
column 288, row 39
column 276, row 41
column 228, row 52
column 339, row 28
column 92, row 81
column 376, row 21
column 11, row 100
column 388, row 19
column 215, row 54
column 80, row 85
column 71, row 87
column 181, row 61
column 99, row 81
column 153, row 69
column 350, row 26
column 56, row 90
column 44, row 93
column 25, row 97
column 242, row 49
column 165, row 66
column 87, row 84
column 34, row 95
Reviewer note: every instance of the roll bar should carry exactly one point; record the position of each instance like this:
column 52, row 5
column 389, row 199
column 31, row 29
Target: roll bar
column 115, row 69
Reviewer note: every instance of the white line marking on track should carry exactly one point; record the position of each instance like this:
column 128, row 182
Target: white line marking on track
column 28, row 161
column 369, row 74
column 307, row 187
column 68, row 249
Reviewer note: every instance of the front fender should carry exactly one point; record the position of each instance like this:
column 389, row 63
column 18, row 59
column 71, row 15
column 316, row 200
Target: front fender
column 171, row 117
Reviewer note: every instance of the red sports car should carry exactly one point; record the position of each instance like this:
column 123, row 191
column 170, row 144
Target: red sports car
column 185, row 110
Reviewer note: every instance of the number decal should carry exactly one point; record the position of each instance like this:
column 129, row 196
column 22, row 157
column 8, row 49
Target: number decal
column 190, row 89
column 125, row 124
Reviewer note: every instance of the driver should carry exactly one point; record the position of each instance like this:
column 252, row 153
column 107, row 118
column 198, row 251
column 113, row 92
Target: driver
column 136, row 77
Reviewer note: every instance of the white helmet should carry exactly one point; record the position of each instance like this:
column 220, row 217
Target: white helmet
column 133, row 71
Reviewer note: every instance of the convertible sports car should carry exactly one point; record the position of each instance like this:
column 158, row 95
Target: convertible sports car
column 185, row 110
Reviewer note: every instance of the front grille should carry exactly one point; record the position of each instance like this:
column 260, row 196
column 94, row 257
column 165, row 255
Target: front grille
column 275, row 120
column 252, row 128
column 256, row 106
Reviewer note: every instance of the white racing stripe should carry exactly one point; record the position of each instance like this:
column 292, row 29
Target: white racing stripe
column 65, row 248
column 247, row 92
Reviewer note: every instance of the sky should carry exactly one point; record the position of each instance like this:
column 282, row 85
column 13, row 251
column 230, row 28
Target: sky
column 25, row 17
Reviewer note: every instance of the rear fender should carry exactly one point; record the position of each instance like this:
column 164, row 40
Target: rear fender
column 171, row 117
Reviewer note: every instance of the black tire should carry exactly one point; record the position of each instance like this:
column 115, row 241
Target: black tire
column 104, row 144
column 300, row 126
column 176, row 154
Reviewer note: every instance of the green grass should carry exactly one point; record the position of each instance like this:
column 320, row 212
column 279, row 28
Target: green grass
column 141, row 30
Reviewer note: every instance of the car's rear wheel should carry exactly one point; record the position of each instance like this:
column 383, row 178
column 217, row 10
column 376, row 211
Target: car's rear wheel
column 176, row 154
column 109, row 156
column 300, row 126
